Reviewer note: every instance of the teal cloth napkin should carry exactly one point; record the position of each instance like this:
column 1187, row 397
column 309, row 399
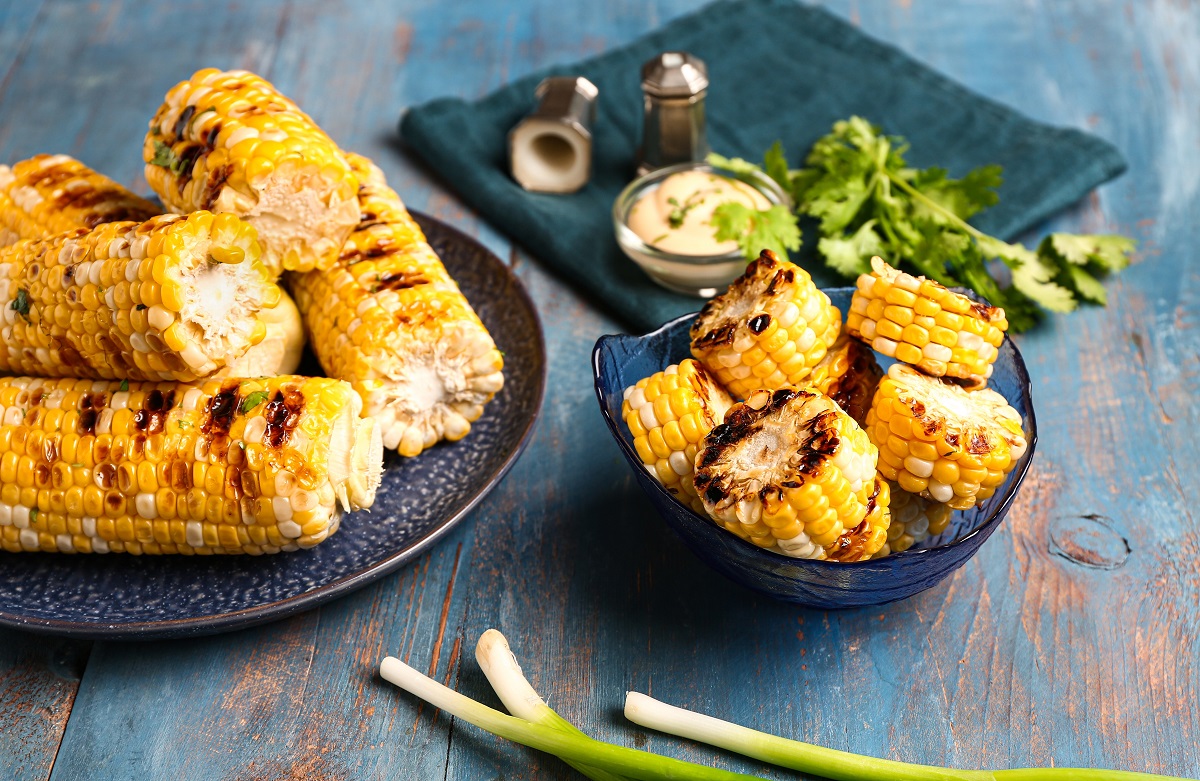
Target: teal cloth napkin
column 778, row 70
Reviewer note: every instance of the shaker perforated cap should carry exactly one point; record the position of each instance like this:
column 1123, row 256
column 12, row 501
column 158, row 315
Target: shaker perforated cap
column 674, row 75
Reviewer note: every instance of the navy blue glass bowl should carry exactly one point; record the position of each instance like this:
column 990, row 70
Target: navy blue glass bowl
column 620, row 361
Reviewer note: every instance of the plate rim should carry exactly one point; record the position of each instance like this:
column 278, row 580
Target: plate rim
column 283, row 608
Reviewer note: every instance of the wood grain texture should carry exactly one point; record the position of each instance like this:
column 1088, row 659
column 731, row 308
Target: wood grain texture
column 1024, row 657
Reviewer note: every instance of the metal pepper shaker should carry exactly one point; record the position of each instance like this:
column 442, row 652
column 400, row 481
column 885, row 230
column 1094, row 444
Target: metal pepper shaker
column 673, row 85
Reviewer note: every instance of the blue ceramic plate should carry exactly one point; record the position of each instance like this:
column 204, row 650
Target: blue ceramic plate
column 620, row 361
column 125, row 597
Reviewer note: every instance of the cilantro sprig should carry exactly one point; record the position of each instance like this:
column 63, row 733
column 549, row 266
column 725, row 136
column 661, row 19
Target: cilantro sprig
column 867, row 201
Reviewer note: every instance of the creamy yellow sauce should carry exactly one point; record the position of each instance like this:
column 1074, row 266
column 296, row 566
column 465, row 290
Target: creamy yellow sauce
column 676, row 216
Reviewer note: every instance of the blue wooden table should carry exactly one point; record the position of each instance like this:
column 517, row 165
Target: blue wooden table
column 1027, row 656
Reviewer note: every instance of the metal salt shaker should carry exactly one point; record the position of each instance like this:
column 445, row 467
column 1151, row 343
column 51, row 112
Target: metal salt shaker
column 550, row 150
column 674, row 85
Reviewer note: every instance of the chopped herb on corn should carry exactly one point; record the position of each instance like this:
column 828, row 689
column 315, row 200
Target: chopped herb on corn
column 941, row 441
column 170, row 298
column 789, row 470
column 229, row 142
column 256, row 466
column 917, row 321
column 669, row 413
column 768, row 330
column 49, row 194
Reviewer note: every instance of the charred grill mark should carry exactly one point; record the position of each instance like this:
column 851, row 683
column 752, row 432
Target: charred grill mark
column 282, row 415
column 186, row 161
column 721, row 334
column 185, row 117
column 214, row 184
column 979, row 444
column 153, row 416
column 744, row 421
column 210, row 138
column 87, row 422
column 985, row 311
column 399, row 280
column 849, row 546
column 759, row 323
column 218, row 415
column 50, row 176
column 782, row 278
column 105, row 475
column 377, row 250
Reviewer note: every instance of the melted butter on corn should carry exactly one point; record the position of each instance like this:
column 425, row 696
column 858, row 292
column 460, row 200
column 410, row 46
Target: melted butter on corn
column 918, row 321
column 943, row 442
column 170, row 298
column 669, row 413
column 789, row 470
column 768, row 330
column 256, row 466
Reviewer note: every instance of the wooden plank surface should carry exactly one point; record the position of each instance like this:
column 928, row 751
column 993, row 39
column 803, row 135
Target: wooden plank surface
column 1024, row 657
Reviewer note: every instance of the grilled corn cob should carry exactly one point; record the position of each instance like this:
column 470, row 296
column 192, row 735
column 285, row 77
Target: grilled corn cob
column 917, row 321
column 789, row 470
column 768, row 330
column 254, row 466
column 669, row 413
column 50, row 194
column 171, row 298
column 390, row 320
column 938, row 440
column 848, row 374
column 281, row 348
column 914, row 519
column 229, row 142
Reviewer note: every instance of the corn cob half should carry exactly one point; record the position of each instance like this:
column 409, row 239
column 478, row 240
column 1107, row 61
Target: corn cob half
column 216, row 467
column 669, row 413
column 848, row 374
column 280, row 350
column 914, row 519
column 789, row 470
column 50, row 194
column 768, row 330
column 229, row 142
column 940, row 441
column 390, row 320
column 919, row 322
column 170, row 298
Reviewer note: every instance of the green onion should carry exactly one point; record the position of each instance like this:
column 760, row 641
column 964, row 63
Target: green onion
column 570, row 747
column 830, row 763
column 500, row 666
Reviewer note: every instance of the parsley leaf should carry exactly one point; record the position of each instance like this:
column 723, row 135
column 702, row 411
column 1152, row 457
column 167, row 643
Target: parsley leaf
column 124, row 385
column 755, row 230
column 21, row 303
column 163, row 156
column 252, row 400
column 867, row 201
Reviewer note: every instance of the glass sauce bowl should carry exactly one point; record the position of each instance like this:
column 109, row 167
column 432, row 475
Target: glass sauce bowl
column 703, row 276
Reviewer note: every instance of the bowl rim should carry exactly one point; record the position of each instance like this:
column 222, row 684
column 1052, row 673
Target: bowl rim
column 631, row 242
column 912, row 554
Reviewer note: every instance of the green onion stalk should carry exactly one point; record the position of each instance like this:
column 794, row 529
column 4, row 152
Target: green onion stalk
column 538, row 726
